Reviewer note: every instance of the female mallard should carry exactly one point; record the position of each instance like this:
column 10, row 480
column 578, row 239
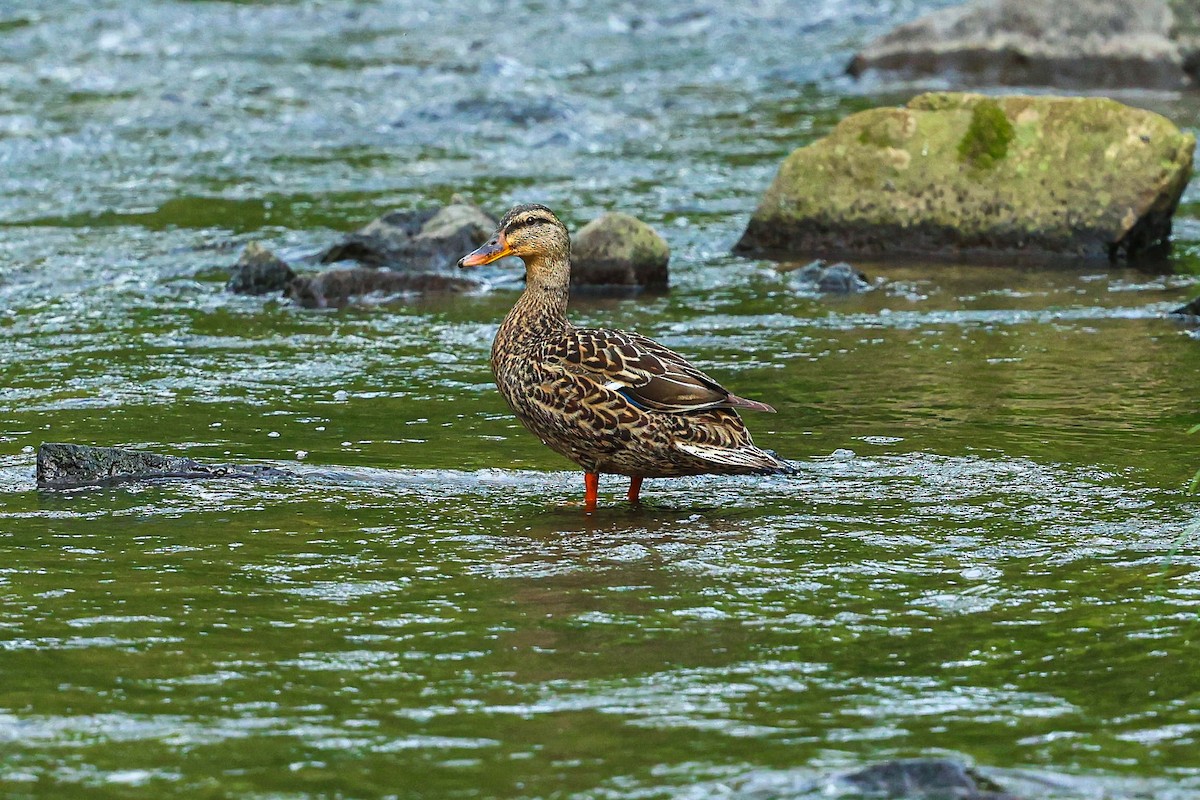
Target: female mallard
column 610, row 401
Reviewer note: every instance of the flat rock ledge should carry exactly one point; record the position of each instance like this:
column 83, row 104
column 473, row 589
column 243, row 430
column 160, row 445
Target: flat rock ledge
column 968, row 176
column 64, row 466
column 1068, row 44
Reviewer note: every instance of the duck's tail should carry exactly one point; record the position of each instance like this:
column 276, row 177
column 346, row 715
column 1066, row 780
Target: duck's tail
column 785, row 467
column 745, row 460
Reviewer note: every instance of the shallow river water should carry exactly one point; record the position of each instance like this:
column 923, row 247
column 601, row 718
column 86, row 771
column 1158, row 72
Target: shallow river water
column 983, row 554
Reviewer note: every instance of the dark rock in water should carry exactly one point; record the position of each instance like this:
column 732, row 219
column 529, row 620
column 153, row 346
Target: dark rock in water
column 1076, row 44
column 417, row 240
column 335, row 287
column 967, row 176
column 839, row 278
column 61, row 466
column 526, row 111
column 420, row 247
column 259, row 271
column 617, row 249
column 933, row 779
column 518, row 108
column 1189, row 309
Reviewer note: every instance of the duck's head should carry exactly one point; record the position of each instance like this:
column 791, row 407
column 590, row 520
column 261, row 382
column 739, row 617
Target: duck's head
column 529, row 231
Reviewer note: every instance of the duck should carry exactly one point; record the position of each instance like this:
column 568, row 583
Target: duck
column 611, row 401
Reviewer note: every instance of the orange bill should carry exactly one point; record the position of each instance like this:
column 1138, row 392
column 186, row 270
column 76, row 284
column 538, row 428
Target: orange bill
column 495, row 248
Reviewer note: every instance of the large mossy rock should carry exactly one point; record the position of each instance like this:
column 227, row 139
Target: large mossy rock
column 1076, row 44
column 966, row 175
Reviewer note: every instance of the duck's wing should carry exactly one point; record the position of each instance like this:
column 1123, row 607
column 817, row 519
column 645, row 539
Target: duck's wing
column 643, row 371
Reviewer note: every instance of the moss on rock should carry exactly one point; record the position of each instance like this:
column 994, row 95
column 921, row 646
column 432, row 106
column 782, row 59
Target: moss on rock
column 987, row 137
column 1085, row 177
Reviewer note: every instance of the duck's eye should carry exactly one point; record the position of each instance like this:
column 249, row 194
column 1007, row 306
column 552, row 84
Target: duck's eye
column 523, row 223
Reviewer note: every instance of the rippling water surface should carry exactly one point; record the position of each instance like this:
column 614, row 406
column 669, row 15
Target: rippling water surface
column 982, row 555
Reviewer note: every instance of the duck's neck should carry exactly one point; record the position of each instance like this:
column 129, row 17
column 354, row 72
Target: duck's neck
column 541, row 311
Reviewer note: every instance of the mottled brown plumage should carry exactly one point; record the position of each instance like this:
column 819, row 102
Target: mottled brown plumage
column 611, row 401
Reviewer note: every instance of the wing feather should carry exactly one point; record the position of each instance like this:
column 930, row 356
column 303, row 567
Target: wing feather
column 646, row 373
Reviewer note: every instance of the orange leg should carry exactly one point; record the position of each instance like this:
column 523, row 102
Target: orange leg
column 635, row 489
column 591, row 487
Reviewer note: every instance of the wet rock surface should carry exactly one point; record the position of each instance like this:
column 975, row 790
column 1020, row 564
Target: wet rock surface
column 942, row 779
column 972, row 177
column 1074, row 44
column 259, row 271
column 1189, row 309
column 839, row 278
column 62, row 465
column 617, row 249
column 429, row 239
column 337, row 287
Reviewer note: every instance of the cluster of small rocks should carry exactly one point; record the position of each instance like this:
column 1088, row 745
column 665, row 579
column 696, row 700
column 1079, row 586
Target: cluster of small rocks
column 405, row 252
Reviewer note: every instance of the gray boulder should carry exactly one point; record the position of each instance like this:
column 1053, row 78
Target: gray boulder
column 969, row 176
column 617, row 249
column 431, row 239
column 61, row 466
column 1073, row 44
column 259, row 271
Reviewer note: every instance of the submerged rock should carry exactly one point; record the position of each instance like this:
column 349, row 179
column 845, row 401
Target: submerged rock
column 259, row 271
column 417, row 240
column 335, row 287
column 617, row 249
column 920, row 778
column 1077, row 44
column 61, row 465
column 839, row 278
column 1189, row 309
column 966, row 175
